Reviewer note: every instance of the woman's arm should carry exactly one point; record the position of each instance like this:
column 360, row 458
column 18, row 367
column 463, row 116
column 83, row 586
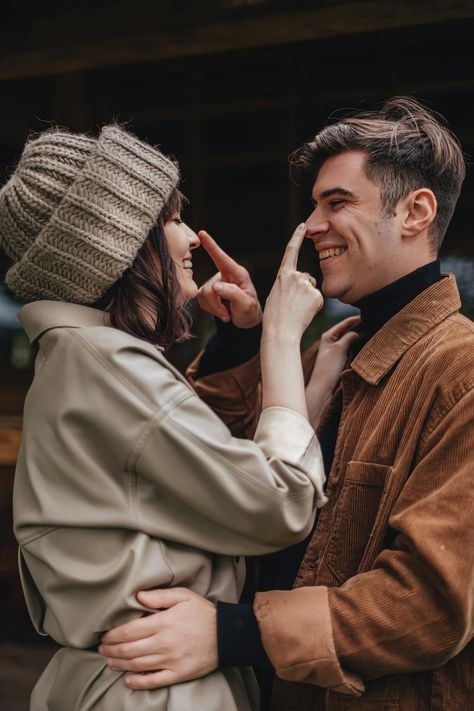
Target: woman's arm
column 290, row 308
column 232, row 387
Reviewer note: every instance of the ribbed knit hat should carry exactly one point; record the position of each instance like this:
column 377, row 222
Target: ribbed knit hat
column 76, row 211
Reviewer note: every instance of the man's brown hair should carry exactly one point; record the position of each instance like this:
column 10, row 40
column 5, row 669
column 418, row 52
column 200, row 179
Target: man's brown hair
column 147, row 301
column 408, row 147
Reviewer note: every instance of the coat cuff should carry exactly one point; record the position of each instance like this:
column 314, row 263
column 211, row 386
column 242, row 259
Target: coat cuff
column 296, row 632
column 286, row 435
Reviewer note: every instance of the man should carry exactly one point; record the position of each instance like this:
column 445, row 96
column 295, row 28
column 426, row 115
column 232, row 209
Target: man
column 380, row 614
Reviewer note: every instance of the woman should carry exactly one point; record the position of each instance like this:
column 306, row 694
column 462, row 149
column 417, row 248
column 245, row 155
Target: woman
column 125, row 479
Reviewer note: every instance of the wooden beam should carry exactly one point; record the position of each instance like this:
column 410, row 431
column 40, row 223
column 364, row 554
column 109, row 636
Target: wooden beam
column 246, row 32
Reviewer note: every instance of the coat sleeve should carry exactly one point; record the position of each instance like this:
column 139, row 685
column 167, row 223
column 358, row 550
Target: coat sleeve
column 226, row 495
column 412, row 611
column 235, row 395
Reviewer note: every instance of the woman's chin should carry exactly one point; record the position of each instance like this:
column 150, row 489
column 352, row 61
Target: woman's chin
column 189, row 291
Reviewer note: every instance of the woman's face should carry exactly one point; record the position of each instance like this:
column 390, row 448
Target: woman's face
column 181, row 241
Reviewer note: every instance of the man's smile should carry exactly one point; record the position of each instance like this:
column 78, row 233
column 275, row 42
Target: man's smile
column 331, row 252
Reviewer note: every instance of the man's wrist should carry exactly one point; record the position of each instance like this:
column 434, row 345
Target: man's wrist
column 238, row 637
column 317, row 400
column 229, row 347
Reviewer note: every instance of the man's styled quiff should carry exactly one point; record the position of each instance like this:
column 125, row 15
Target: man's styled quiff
column 407, row 148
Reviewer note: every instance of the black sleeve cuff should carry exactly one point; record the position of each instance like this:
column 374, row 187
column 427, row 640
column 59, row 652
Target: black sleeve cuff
column 228, row 347
column 238, row 638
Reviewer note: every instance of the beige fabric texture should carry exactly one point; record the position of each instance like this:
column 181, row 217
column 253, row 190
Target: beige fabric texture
column 126, row 480
column 393, row 549
column 76, row 210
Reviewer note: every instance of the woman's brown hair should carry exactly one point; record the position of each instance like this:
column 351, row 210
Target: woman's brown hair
column 147, row 301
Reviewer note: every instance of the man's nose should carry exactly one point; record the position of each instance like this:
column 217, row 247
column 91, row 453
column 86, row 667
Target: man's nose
column 316, row 225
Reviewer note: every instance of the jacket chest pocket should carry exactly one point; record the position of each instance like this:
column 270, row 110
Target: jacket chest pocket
column 354, row 517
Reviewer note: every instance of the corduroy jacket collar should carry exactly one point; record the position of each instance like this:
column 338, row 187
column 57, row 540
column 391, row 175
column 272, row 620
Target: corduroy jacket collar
column 40, row 316
column 416, row 319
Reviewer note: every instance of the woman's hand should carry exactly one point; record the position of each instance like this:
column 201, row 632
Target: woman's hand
column 330, row 361
column 177, row 644
column 290, row 307
column 230, row 294
column 293, row 301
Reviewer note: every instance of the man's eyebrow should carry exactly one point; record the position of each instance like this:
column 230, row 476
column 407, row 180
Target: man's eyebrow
column 335, row 191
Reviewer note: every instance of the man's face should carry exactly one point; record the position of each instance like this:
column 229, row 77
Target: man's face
column 356, row 242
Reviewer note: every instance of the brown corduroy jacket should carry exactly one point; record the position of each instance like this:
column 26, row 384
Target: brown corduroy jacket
column 381, row 616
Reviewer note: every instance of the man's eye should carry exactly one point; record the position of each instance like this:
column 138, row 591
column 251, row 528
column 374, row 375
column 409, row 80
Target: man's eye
column 336, row 203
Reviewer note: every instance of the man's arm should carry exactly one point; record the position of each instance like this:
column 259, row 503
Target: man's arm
column 412, row 611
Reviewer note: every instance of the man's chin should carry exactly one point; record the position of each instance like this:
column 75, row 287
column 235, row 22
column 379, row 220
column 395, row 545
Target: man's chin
column 334, row 293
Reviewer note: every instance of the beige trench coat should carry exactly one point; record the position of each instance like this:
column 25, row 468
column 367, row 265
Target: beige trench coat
column 125, row 481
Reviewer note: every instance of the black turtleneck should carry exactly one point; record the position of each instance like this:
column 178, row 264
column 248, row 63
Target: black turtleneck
column 378, row 308
column 237, row 630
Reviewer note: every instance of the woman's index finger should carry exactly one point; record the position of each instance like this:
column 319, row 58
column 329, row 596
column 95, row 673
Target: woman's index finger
column 292, row 251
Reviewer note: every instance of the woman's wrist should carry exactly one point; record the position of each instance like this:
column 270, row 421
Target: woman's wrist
column 280, row 338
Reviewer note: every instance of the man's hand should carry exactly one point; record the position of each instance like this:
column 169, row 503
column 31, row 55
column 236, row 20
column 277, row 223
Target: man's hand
column 230, row 294
column 330, row 362
column 177, row 644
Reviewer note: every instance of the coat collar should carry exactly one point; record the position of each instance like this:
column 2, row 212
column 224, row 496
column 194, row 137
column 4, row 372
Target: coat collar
column 40, row 316
column 411, row 323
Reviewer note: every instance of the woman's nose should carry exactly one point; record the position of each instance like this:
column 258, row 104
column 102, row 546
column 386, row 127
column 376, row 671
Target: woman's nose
column 194, row 240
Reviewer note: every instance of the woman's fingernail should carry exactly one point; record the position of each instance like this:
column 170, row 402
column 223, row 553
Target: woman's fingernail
column 302, row 226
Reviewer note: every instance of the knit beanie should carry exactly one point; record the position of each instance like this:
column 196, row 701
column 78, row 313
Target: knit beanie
column 77, row 209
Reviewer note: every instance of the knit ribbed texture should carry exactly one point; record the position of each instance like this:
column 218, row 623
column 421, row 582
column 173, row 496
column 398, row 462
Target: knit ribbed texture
column 76, row 211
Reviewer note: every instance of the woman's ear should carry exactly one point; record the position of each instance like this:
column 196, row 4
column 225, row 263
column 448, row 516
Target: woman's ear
column 419, row 211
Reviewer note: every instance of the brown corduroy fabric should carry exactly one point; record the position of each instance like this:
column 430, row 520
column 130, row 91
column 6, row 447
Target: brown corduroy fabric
column 394, row 545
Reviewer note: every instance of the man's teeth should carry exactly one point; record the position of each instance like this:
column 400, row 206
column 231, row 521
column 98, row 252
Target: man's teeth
column 331, row 252
column 187, row 264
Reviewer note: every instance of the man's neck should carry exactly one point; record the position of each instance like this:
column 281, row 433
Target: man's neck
column 379, row 307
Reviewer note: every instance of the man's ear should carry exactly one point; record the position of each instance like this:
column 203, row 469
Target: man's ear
column 419, row 210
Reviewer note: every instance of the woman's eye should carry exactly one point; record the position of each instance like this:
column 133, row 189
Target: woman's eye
column 178, row 221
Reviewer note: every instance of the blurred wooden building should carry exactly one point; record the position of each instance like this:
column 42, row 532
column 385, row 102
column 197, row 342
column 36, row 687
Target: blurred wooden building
column 231, row 87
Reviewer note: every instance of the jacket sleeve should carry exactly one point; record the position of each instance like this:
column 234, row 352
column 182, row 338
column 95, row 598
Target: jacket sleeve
column 200, row 486
column 235, row 395
column 412, row 611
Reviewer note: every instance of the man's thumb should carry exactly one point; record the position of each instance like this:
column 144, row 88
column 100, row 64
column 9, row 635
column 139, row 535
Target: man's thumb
column 348, row 339
column 228, row 291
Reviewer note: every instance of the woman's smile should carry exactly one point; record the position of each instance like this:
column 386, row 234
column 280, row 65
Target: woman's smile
column 181, row 240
